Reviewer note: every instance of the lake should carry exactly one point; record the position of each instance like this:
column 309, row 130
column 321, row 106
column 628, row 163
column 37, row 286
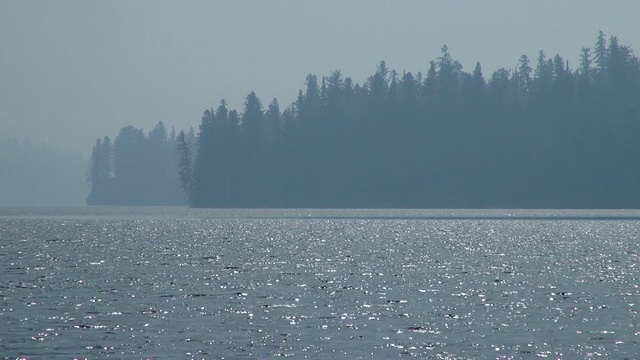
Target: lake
column 169, row 283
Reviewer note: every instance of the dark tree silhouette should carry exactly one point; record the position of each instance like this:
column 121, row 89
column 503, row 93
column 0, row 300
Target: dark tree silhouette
column 185, row 164
column 539, row 135
column 137, row 169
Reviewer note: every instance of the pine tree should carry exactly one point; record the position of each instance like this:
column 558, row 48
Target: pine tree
column 600, row 58
column 524, row 73
column 184, row 164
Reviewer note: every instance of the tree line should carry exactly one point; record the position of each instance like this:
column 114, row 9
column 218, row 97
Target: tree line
column 540, row 135
column 136, row 168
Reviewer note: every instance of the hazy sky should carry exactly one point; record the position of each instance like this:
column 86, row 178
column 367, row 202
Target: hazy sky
column 72, row 71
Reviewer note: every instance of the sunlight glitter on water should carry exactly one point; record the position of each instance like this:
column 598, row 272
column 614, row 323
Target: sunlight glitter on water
column 341, row 288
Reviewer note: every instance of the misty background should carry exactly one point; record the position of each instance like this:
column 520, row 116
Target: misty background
column 73, row 71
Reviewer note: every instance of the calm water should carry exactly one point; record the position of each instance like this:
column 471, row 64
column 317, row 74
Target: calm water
column 167, row 283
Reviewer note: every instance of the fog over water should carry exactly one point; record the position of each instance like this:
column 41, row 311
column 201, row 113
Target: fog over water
column 39, row 174
column 73, row 71
column 93, row 96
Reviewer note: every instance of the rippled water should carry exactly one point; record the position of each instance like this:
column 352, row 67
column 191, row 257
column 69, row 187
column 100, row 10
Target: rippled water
column 170, row 283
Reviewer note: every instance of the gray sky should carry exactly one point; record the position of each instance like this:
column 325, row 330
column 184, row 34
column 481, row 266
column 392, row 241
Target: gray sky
column 72, row 71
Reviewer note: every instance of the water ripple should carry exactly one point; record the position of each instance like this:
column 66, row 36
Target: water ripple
column 358, row 287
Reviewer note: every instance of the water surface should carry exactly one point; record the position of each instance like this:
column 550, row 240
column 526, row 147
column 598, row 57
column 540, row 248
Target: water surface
column 168, row 283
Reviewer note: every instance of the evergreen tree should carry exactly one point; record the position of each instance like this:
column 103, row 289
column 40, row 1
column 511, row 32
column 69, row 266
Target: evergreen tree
column 585, row 63
column 524, row 72
column 600, row 52
column 185, row 164
column 532, row 138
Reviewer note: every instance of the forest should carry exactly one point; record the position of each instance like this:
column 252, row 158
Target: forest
column 136, row 168
column 539, row 135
